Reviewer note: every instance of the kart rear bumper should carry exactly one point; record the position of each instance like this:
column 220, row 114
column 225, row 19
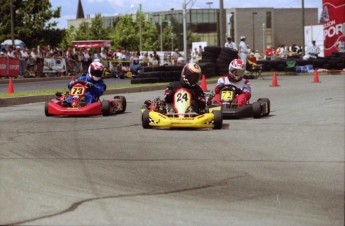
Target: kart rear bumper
column 201, row 121
column 235, row 113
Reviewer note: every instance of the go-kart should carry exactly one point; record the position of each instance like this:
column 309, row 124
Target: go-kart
column 229, row 106
column 59, row 106
column 179, row 114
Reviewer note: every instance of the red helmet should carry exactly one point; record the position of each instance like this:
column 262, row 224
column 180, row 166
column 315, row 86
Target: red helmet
column 236, row 70
column 191, row 74
column 96, row 71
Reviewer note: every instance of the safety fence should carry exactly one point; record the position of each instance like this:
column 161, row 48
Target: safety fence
column 50, row 67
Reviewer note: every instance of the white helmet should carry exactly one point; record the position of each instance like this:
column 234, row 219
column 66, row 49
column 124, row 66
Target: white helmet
column 236, row 70
column 96, row 71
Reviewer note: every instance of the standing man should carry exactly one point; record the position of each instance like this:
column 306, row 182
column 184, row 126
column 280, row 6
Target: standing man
column 230, row 44
column 243, row 51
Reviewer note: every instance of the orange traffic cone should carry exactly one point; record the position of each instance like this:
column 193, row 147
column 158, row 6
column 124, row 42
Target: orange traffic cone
column 316, row 76
column 10, row 87
column 274, row 80
column 203, row 83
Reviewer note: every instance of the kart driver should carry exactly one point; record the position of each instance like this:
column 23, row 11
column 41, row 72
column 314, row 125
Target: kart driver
column 94, row 82
column 190, row 76
column 235, row 78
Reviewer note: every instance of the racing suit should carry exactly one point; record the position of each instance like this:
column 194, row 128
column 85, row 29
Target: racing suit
column 198, row 102
column 243, row 93
column 95, row 89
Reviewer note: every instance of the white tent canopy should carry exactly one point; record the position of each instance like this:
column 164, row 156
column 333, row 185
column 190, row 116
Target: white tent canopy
column 17, row 42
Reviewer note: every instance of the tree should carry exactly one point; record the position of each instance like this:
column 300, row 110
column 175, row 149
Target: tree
column 126, row 33
column 97, row 29
column 33, row 21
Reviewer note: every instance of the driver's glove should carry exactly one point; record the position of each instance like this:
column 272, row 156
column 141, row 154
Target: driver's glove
column 89, row 85
column 239, row 91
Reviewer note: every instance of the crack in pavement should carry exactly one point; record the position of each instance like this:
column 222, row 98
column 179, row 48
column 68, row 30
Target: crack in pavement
column 75, row 205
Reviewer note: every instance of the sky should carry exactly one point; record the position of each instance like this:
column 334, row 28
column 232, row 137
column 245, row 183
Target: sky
column 118, row 7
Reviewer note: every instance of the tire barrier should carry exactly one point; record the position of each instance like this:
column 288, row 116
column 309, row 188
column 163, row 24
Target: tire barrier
column 334, row 62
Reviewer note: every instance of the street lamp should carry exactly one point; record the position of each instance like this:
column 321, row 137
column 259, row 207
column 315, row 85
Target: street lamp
column 254, row 13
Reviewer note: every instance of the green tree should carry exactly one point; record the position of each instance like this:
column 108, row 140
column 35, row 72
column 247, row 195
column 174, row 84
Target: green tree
column 126, row 34
column 83, row 32
column 97, row 29
column 33, row 22
column 68, row 38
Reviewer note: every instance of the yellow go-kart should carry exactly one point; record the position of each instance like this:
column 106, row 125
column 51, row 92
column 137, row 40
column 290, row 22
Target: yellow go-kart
column 179, row 114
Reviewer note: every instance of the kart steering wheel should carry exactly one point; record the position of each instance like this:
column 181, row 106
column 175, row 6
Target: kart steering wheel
column 231, row 87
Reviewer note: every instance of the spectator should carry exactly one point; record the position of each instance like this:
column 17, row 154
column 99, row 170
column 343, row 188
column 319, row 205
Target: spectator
column 194, row 55
column 230, row 44
column 174, row 55
column 282, row 52
column 257, row 55
column 341, row 46
column 313, row 51
column 269, row 53
column 200, row 50
column 243, row 50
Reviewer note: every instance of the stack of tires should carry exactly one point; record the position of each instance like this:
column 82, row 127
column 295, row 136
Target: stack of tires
column 166, row 73
column 225, row 56
column 208, row 62
column 216, row 60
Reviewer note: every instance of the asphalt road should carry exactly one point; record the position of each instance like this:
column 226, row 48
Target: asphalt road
column 286, row 169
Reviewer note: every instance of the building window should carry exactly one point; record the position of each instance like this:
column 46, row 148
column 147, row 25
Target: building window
column 268, row 19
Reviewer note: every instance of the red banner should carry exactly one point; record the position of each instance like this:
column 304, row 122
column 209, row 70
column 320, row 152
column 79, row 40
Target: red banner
column 92, row 44
column 333, row 19
column 9, row 67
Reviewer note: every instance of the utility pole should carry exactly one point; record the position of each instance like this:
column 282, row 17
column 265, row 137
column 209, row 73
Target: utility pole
column 12, row 22
column 184, row 12
column 141, row 41
column 303, row 49
column 221, row 23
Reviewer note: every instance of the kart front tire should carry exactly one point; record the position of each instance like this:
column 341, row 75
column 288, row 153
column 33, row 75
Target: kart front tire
column 218, row 119
column 145, row 119
column 46, row 109
column 123, row 101
column 256, row 110
column 105, row 108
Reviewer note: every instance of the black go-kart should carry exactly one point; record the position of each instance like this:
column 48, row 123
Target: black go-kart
column 230, row 109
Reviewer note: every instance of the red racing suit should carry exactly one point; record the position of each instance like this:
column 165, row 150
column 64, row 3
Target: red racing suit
column 243, row 85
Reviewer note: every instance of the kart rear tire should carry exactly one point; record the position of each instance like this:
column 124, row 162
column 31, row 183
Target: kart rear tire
column 218, row 119
column 268, row 104
column 105, row 108
column 46, row 111
column 145, row 119
column 123, row 101
column 256, row 106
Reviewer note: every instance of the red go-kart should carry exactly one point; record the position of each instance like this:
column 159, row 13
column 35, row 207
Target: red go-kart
column 58, row 106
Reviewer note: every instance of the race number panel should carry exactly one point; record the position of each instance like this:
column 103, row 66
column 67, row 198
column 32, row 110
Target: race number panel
column 227, row 95
column 182, row 101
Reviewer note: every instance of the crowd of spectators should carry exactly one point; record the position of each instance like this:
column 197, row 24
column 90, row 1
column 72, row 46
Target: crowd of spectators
column 77, row 59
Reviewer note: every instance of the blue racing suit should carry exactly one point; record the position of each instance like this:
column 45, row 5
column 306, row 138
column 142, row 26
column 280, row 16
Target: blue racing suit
column 95, row 89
